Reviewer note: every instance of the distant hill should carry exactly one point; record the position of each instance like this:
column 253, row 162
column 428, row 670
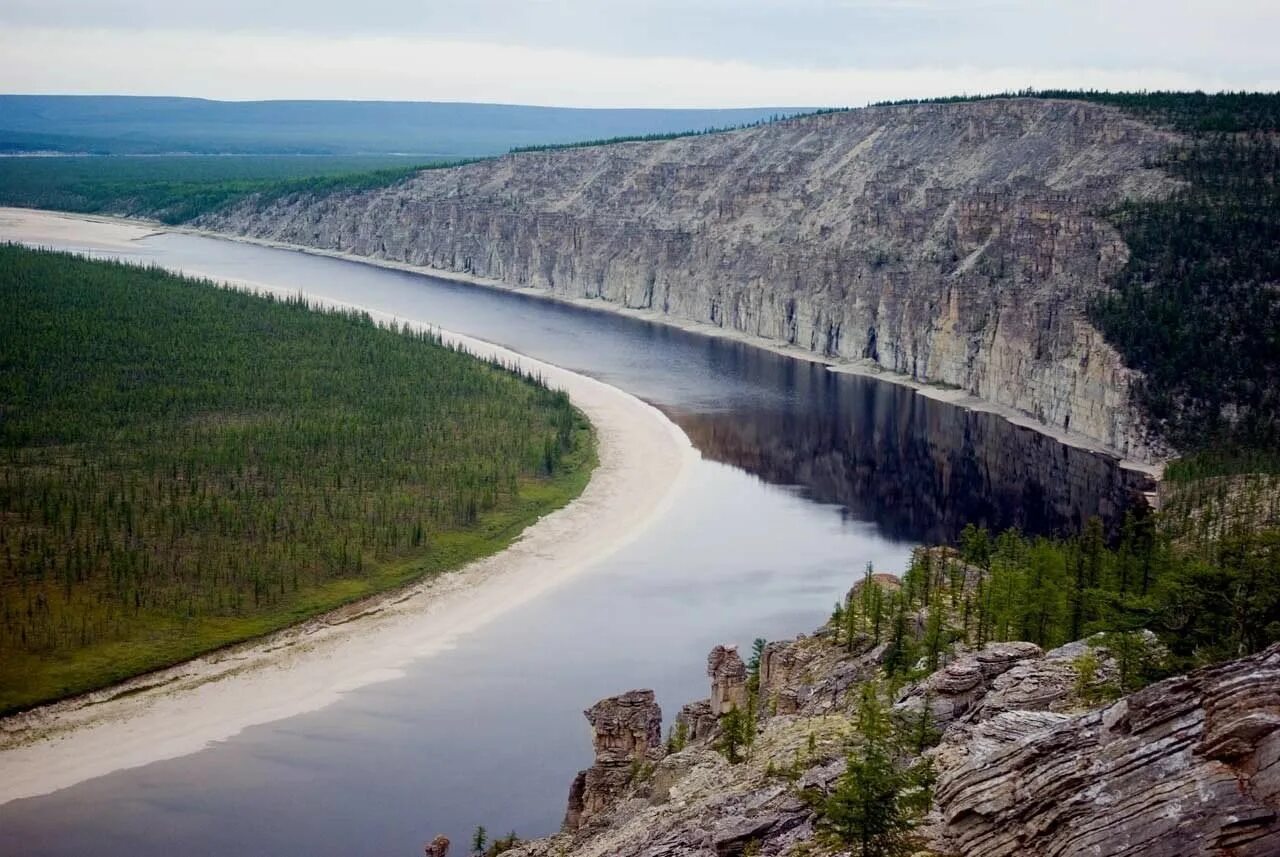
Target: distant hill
column 152, row 125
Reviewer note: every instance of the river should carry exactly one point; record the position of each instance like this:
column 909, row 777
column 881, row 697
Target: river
column 806, row 476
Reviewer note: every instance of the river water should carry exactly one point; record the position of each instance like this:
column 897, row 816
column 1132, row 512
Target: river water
column 806, row 476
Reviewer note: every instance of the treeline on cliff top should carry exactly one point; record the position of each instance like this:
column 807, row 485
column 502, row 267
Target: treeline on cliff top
column 184, row 466
column 1192, row 111
column 1207, row 601
column 676, row 135
column 1197, row 305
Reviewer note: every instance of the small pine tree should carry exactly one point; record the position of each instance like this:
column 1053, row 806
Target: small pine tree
column 479, row 839
column 734, row 729
column 872, row 808
column 679, row 738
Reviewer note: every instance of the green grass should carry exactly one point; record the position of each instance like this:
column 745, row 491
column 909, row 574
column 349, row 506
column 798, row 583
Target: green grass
column 180, row 188
column 184, row 467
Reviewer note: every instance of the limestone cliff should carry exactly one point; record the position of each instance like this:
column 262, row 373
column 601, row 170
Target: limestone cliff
column 954, row 243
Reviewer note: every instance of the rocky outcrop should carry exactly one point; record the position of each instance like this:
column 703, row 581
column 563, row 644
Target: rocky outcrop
column 955, row 244
column 626, row 732
column 1188, row 766
column 728, row 676
column 438, row 847
column 699, row 723
column 954, row 690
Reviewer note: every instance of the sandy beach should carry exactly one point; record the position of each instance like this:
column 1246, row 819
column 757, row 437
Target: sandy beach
column 177, row 711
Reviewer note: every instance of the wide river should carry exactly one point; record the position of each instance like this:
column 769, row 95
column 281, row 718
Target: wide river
column 806, row 476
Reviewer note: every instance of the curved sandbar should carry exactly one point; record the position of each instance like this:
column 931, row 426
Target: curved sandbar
column 180, row 710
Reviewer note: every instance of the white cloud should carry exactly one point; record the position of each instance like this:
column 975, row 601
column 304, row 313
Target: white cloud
column 231, row 65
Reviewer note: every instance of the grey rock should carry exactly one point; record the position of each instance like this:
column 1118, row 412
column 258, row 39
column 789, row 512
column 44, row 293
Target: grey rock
column 728, row 676
column 1187, row 766
column 951, row 692
column 626, row 731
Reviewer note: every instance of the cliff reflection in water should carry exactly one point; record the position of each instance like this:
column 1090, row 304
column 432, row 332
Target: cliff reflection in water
column 919, row 468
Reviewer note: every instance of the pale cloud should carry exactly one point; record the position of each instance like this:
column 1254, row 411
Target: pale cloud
column 641, row 52
column 232, row 65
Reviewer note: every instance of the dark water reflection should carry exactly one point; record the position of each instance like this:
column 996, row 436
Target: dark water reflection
column 821, row 474
column 919, row 468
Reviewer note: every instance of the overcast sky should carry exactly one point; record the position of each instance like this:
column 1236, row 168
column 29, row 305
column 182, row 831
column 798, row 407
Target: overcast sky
column 654, row 53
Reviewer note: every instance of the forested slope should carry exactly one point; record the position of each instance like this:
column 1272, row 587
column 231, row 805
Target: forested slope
column 186, row 466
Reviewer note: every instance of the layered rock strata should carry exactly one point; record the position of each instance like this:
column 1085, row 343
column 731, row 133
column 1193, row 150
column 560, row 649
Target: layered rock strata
column 1188, row 766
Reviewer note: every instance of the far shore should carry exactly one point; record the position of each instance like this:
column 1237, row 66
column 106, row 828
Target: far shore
column 865, row 368
column 180, row 710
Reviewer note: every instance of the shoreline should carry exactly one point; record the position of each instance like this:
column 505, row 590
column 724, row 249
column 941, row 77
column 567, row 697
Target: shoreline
column 179, row 710
column 863, row 368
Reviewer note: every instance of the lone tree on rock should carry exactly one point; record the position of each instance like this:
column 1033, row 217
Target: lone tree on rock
column 872, row 808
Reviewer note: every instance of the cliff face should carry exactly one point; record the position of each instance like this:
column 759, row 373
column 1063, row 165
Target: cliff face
column 952, row 243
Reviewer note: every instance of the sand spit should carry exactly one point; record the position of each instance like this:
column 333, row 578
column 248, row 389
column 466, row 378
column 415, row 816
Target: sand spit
column 181, row 710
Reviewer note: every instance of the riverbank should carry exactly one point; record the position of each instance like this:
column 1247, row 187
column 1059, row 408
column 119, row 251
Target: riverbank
column 865, row 368
column 184, row 708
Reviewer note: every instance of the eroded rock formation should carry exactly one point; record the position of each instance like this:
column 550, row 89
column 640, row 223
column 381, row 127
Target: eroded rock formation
column 626, row 732
column 958, row 687
column 1189, row 766
column 728, row 676
column 951, row 243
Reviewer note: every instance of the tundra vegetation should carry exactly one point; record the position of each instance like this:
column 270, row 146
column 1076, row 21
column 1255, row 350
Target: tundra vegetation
column 186, row 466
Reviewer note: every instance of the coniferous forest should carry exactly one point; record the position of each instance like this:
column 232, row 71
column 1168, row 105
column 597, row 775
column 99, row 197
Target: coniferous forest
column 185, row 466
column 1202, row 600
column 1197, row 307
